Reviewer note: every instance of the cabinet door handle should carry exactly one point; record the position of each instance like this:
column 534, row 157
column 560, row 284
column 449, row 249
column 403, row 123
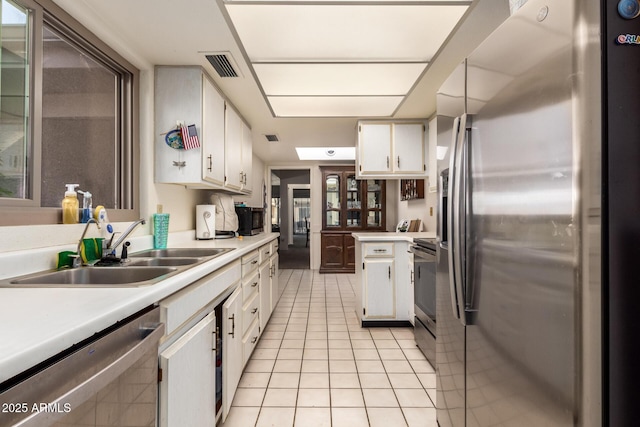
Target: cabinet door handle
column 254, row 311
column 412, row 278
column 210, row 163
column 233, row 326
column 240, row 177
column 245, row 179
column 255, row 261
column 389, row 272
column 380, row 250
column 398, row 161
column 387, row 162
column 254, row 284
column 253, row 340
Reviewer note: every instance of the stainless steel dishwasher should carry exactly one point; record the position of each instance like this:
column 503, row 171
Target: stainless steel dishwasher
column 108, row 380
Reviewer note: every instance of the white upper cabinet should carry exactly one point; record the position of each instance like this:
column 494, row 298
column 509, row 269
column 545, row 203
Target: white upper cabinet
column 212, row 134
column 409, row 148
column 223, row 160
column 238, row 151
column 388, row 150
column 374, row 148
column 247, row 159
column 233, row 149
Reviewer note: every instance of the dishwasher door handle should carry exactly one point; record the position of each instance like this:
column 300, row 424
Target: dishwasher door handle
column 78, row 394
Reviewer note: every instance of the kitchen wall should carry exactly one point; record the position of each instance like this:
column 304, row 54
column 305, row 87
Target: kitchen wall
column 417, row 208
column 176, row 200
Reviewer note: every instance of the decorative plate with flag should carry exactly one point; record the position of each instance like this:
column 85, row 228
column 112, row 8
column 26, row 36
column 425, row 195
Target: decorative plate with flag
column 182, row 137
column 173, row 138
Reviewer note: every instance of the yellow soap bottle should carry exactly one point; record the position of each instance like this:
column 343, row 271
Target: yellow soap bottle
column 70, row 206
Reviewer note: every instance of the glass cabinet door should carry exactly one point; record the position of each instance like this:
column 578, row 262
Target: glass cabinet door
column 374, row 203
column 354, row 202
column 332, row 183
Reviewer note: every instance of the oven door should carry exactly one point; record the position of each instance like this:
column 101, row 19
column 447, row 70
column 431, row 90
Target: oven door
column 425, row 300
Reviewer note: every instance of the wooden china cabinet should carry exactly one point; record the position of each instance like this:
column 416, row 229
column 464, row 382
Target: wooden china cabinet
column 348, row 205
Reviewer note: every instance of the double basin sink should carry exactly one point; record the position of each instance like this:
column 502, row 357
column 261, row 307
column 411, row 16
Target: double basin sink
column 141, row 269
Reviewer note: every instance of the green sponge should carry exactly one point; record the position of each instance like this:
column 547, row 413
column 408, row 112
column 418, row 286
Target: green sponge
column 91, row 249
column 65, row 259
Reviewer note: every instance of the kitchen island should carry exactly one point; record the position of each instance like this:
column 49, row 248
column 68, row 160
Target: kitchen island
column 384, row 278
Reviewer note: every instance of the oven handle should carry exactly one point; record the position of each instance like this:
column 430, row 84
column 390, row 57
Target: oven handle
column 422, row 252
column 78, row 395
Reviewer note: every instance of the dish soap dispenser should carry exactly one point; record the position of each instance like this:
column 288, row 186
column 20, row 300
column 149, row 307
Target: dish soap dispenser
column 70, row 205
column 87, row 208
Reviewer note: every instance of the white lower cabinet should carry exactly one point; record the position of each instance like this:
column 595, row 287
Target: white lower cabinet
column 383, row 283
column 243, row 295
column 250, row 340
column 189, row 365
column 231, row 348
column 275, row 284
column 268, row 275
column 379, row 288
column 265, row 293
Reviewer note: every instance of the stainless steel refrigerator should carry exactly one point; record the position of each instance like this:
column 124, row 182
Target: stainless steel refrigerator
column 537, row 288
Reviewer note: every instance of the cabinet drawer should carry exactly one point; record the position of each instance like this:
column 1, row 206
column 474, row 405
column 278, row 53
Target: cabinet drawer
column 250, row 285
column 250, row 311
column 181, row 306
column 275, row 244
column 250, row 340
column 250, row 263
column 378, row 250
column 265, row 253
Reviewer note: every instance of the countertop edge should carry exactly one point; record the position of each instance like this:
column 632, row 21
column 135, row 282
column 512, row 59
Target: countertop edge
column 392, row 237
column 39, row 323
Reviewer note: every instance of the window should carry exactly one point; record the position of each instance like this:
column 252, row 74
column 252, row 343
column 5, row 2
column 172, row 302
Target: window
column 14, row 100
column 78, row 123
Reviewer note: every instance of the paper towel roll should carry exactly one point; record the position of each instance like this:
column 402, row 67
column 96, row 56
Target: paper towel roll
column 205, row 222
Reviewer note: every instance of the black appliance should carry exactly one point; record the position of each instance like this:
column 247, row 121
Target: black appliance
column 250, row 220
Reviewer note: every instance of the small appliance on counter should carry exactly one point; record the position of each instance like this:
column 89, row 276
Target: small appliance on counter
column 226, row 220
column 250, row 220
column 205, row 222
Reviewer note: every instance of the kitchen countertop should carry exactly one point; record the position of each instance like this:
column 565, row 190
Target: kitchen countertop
column 393, row 237
column 38, row 323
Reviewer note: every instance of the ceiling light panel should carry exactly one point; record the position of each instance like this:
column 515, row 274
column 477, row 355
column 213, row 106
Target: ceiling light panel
column 343, row 32
column 338, row 79
column 334, row 106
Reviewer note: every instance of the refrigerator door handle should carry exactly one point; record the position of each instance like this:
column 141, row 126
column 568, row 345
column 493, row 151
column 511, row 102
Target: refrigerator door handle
column 451, row 227
column 465, row 285
column 459, row 219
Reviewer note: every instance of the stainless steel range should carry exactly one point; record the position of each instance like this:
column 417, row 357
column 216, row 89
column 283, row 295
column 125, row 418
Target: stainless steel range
column 424, row 251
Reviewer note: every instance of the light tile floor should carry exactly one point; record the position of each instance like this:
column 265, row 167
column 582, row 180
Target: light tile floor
column 316, row 366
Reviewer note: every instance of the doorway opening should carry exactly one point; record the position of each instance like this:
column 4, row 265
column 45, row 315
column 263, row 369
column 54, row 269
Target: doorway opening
column 291, row 216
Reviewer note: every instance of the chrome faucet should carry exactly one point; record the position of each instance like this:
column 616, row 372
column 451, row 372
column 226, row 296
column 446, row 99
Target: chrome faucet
column 112, row 246
column 77, row 260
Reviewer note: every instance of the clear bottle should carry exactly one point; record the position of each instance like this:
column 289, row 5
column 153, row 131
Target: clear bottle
column 70, row 205
column 87, row 208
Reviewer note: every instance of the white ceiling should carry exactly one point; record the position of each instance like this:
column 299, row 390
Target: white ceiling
column 354, row 42
column 168, row 32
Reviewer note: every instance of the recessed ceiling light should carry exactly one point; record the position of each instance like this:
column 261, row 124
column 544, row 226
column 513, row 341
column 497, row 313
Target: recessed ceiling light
column 326, row 153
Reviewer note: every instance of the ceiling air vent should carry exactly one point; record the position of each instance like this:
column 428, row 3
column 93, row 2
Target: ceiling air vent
column 224, row 64
column 272, row 138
